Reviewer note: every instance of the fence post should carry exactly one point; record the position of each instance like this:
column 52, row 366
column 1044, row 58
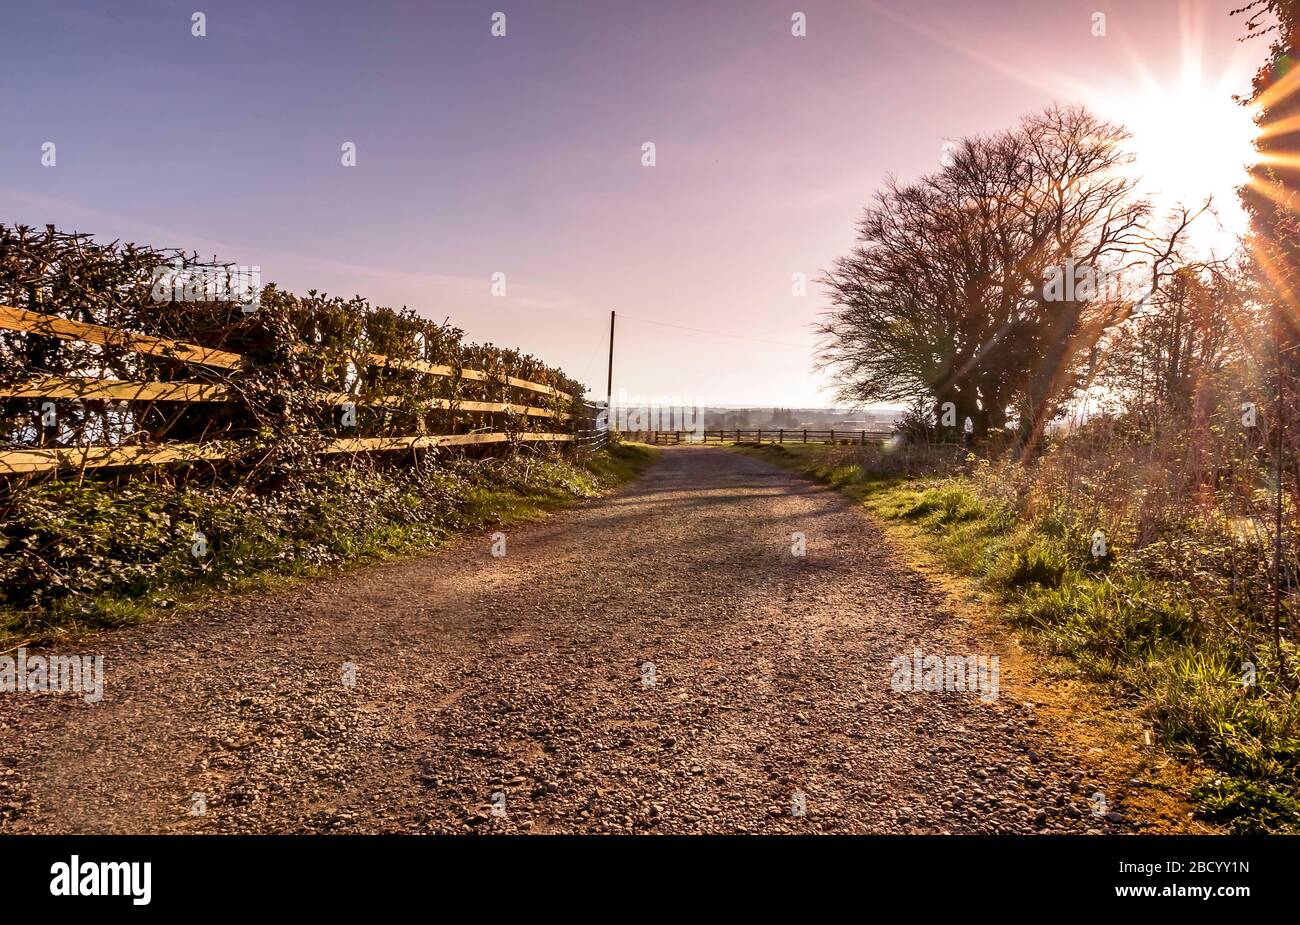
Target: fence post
column 781, row 437
column 805, row 435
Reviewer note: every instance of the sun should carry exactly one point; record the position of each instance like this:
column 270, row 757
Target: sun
column 1192, row 142
column 1193, row 145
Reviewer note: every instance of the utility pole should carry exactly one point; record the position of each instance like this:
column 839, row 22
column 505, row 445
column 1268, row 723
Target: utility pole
column 609, row 387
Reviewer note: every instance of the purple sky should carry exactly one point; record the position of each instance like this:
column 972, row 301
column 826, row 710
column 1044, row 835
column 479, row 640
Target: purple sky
column 522, row 154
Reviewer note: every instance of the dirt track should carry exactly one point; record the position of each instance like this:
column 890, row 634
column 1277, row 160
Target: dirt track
column 525, row 676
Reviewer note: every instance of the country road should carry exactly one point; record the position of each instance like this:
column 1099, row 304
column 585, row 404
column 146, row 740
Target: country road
column 657, row 660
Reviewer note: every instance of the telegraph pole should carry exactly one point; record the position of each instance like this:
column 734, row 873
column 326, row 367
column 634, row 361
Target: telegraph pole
column 609, row 386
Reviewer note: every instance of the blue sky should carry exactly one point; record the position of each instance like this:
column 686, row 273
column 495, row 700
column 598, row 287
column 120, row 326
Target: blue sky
column 522, row 154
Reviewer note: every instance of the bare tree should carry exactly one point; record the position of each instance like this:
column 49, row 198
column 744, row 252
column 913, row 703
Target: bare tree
column 947, row 297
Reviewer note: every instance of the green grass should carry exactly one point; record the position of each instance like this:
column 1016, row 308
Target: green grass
column 79, row 557
column 1151, row 640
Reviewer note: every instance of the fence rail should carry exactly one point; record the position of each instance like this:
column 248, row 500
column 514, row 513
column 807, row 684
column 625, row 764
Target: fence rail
column 182, row 391
column 20, row 319
column 20, row 462
column 762, row 435
column 44, row 459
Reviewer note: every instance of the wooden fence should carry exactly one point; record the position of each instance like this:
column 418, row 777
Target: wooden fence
column 43, row 459
column 763, row 435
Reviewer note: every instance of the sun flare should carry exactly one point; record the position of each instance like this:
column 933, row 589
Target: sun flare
column 1192, row 142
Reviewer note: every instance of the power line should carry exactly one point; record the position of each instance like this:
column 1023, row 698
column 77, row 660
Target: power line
column 586, row 313
column 683, row 327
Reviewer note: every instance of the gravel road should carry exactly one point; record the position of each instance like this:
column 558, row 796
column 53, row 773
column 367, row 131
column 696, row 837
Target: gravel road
column 657, row 660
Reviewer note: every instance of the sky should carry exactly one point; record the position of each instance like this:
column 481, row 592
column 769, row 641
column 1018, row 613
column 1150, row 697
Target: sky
column 523, row 154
